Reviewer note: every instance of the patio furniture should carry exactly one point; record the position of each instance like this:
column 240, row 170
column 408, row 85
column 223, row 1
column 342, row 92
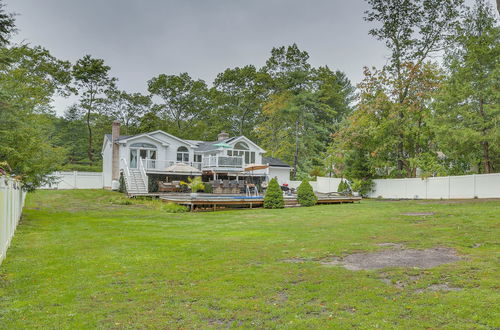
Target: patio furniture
column 174, row 186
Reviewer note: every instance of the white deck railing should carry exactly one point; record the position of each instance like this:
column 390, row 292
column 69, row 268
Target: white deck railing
column 222, row 161
column 161, row 165
column 11, row 206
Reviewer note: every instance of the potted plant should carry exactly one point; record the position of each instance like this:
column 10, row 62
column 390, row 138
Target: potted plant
column 356, row 187
column 195, row 185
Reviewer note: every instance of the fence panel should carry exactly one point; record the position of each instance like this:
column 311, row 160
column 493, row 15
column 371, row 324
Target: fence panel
column 446, row 187
column 76, row 180
column 487, row 185
column 11, row 206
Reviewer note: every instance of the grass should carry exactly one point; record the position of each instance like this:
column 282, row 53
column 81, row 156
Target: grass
column 82, row 259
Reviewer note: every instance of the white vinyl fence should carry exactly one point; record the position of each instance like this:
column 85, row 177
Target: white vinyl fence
column 11, row 206
column 446, row 187
column 76, row 180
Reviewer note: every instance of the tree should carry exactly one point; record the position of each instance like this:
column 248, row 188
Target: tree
column 467, row 108
column 274, row 196
column 184, row 100
column 7, row 25
column 412, row 30
column 381, row 124
column 92, row 81
column 239, row 94
column 128, row 108
column 28, row 79
column 72, row 134
column 306, row 195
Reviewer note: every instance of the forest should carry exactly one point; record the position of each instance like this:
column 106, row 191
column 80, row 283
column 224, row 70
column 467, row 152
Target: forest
column 433, row 109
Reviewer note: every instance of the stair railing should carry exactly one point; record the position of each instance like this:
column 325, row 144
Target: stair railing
column 126, row 172
column 143, row 172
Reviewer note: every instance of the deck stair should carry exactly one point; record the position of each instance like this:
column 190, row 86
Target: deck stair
column 136, row 183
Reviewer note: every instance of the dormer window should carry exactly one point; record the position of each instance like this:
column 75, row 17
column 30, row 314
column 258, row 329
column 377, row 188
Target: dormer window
column 182, row 154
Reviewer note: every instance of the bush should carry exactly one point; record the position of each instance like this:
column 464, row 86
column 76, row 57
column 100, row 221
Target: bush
column 344, row 188
column 208, row 188
column 366, row 187
column 122, row 187
column 306, row 195
column 274, row 196
column 173, row 208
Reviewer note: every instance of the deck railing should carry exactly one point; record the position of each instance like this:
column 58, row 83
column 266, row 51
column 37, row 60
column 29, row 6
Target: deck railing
column 222, row 161
column 161, row 165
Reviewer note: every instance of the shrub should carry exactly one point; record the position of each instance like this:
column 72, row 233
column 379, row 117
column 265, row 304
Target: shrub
column 173, row 208
column 122, row 187
column 306, row 195
column 274, row 196
column 364, row 187
column 208, row 188
column 343, row 187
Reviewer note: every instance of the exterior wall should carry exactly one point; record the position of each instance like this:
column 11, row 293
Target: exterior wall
column 281, row 173
column 107, row 159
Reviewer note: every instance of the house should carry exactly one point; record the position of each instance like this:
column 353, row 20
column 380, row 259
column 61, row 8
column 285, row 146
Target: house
column 146, row 155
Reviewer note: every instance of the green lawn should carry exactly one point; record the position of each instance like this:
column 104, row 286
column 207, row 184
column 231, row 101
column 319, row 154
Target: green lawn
column 79, row 259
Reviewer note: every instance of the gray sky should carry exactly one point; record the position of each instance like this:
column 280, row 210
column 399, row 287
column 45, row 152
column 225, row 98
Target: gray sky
column 140, row 39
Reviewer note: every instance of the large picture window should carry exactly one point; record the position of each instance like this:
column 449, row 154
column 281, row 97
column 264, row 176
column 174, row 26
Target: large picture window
column 182, row 154
column 241, row 149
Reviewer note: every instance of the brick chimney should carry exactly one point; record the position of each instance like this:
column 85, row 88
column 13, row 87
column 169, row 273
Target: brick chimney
column 115, row 162
column 222, row 136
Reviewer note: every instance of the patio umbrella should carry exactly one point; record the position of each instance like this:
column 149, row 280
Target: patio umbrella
column 253, row 167
column 183, row 169
column 222, row 145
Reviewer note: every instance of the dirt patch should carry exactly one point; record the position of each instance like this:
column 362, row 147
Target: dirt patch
column 295, row 260
column 393, row 245
column 415, row 214
column 407, row 258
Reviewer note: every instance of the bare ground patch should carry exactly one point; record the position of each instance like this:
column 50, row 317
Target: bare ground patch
column 416, row 214
column 396, row 257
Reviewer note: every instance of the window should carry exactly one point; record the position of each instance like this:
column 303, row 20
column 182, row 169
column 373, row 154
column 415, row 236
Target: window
column 241, row 149
column 241, row 146
column 182, row 154
column 197, row 158
column 143, row 145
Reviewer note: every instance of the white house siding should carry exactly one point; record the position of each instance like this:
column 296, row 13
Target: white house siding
column 281, row 173
column 107, row 158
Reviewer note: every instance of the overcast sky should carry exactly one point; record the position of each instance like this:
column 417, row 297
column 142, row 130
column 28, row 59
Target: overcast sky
column 140, row 39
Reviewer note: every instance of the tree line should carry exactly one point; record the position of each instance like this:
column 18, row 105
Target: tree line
column 415, row 116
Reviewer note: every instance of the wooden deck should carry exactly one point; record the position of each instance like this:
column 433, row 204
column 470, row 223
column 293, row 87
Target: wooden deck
column 216, row 202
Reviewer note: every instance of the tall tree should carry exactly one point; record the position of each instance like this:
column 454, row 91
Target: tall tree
column 29, row 77
column 238, row 98
column 374, row 130
column 7, row 25
column 92, row 81
column 412, row 30
column 128, row 108
column 184, row 100
column 468, row 106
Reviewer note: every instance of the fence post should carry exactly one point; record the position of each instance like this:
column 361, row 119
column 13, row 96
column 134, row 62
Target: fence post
column 474, row 184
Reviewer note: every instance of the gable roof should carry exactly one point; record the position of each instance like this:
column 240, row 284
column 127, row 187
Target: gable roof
column 210, row 145
column 275, row 162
